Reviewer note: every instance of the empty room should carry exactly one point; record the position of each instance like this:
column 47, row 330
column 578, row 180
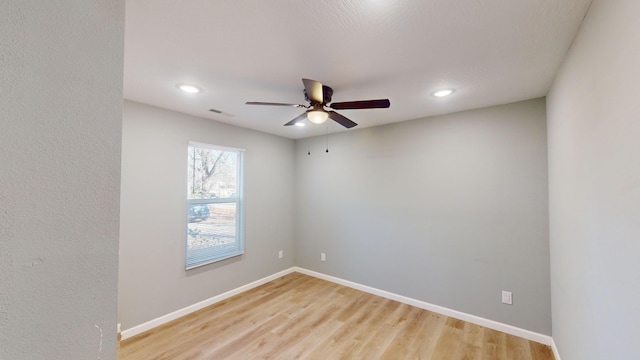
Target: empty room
column 368, row 179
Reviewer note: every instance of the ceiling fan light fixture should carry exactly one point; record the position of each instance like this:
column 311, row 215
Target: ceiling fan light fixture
column 443, row 92
column 317, row 116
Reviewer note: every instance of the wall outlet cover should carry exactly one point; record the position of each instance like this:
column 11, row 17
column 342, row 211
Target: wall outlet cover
column 507, row 297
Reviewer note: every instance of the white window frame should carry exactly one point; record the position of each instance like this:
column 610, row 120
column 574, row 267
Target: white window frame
column 238, row 200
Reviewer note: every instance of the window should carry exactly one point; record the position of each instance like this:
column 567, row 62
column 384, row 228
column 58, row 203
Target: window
column 214, row 204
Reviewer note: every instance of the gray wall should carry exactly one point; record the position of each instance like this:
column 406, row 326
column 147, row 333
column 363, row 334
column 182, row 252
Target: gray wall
column 449, row 210
column 153, row 281
column 60, row 133
column 594, row 187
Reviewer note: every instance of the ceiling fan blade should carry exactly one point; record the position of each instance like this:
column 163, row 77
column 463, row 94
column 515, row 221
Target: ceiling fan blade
column 361, row 104
column 273, row 104
column 314, row 91
column 298, row 118
column 341, row 119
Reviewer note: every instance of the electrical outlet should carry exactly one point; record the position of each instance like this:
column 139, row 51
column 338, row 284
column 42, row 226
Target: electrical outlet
column 280, row 254
column 323, row 257
column 507, row 297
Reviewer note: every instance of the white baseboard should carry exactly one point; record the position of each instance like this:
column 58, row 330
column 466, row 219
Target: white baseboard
column 509, row 329
column 491, row 324
column 556, row 354
column 202, row 304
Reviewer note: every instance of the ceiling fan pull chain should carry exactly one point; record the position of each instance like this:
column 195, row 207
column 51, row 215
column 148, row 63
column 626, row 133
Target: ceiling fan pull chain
column 327, row 138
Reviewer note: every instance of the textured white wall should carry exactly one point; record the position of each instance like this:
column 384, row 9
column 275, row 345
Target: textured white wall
column 449, row 210
column 153, row 281
column 594, row 187
column 60, row 132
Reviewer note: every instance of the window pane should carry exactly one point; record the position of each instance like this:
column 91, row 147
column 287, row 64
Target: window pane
column 211, row 232
column 212, row 173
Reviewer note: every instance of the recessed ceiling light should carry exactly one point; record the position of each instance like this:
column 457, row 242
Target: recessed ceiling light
column 301, row 124
column 444, row 92
column 191, row 89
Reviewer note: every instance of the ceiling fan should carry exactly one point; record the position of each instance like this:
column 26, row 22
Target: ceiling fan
column 319, row 97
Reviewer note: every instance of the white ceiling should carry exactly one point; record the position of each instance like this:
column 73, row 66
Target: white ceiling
column 491, row 51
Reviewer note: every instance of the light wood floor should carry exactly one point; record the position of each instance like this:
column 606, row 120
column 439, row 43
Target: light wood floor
column 302, row 317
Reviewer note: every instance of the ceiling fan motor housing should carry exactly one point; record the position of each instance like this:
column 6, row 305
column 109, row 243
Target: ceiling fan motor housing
column 327, row 92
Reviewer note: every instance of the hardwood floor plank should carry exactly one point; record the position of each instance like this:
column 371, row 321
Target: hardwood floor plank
column 400, row 346
column 472, row 338
column 310, row 342
column 494, row 346
column 302, row 317
column 428, row 330
column 450, row 343
column 518, row 348
column 540, row 351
